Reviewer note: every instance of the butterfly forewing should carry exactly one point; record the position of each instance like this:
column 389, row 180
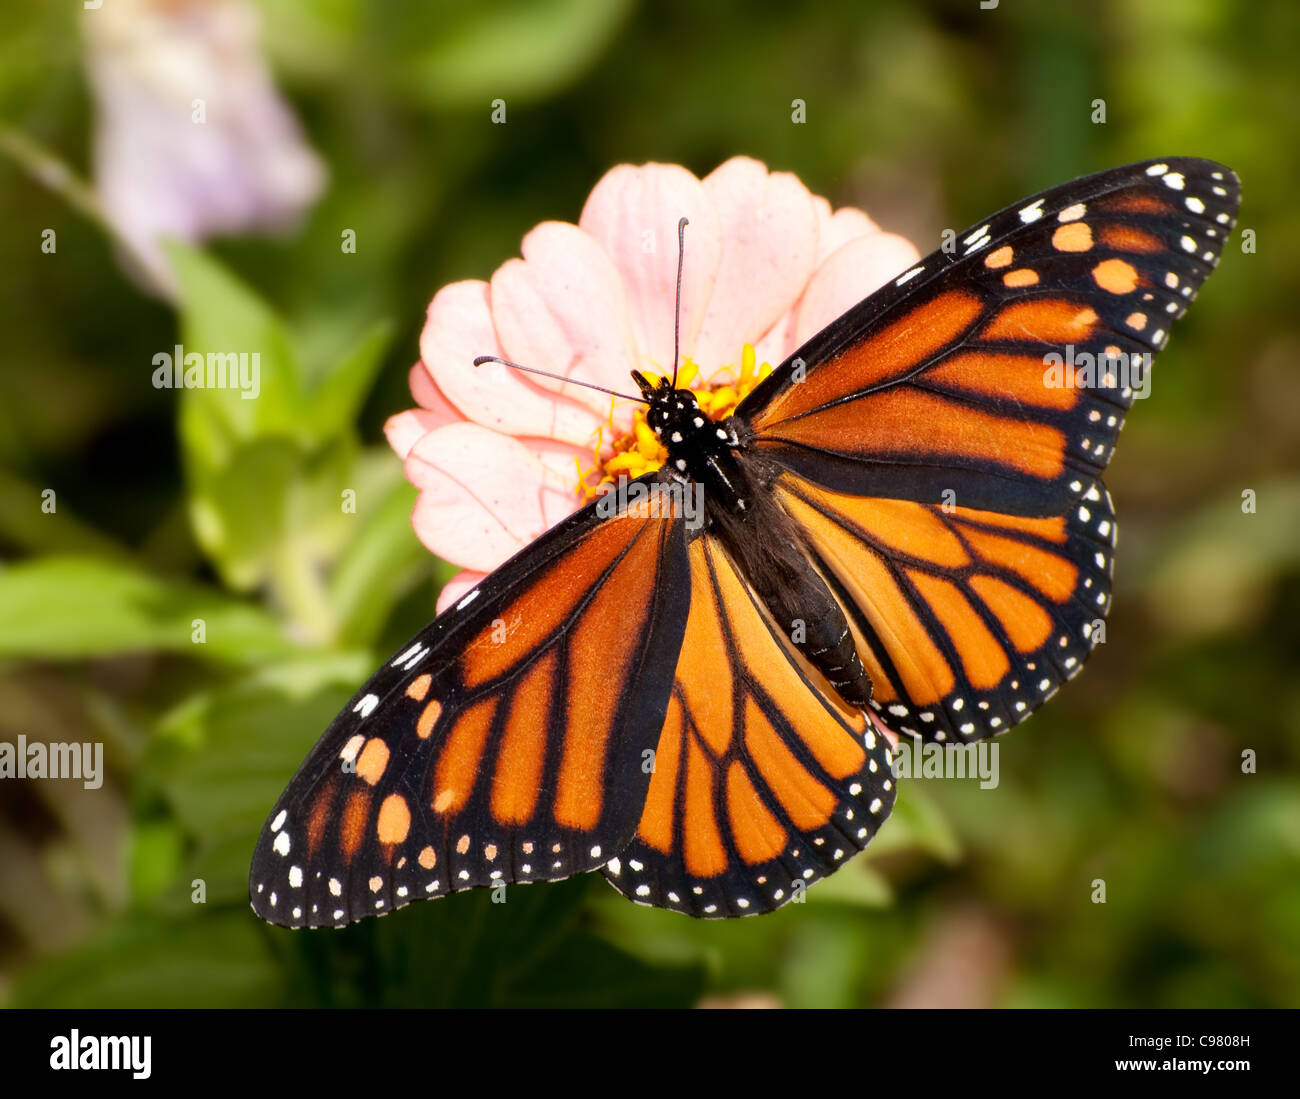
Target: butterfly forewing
column 505, row 744
column 939, row 383
column 941, row 444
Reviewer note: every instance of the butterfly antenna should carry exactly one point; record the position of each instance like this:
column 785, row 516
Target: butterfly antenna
column 677, row 309
column 481, row 359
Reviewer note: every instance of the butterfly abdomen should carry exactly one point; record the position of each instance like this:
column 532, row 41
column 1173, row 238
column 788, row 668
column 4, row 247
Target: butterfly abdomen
column 769, row 552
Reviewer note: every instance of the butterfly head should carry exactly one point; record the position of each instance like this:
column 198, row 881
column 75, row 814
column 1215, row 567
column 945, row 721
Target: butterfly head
column 651, row 391
column 674, row 414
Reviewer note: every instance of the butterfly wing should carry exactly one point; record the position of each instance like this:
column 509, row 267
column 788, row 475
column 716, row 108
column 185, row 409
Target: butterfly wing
column 764, row 780
column 504, row 744
column 965, row 620
column 946, row 467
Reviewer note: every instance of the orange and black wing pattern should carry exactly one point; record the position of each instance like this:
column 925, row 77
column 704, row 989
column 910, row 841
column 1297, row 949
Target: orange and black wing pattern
column 966, row 620
column 619, row 695
column 764, row 780
column 507, row 743
column 943, row 442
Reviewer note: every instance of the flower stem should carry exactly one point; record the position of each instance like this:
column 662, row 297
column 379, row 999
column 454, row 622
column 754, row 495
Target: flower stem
column 49, row 170
column 53, row 172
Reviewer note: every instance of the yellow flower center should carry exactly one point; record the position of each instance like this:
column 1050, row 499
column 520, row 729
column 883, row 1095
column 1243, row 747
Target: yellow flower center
column 639, row 451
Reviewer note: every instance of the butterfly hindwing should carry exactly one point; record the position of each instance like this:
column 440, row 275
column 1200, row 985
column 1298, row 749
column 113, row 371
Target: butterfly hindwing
column 504, row 744
column 764, row 781
column 943, row 442
column 966, row 620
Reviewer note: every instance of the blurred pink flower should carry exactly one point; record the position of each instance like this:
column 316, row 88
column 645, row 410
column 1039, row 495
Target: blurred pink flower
column 168, row 166
column 500, row 456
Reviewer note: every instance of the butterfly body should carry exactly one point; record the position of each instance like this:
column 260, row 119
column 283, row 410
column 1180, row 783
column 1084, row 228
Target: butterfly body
column 700, row 450
column 905, row 518
column 758, row 534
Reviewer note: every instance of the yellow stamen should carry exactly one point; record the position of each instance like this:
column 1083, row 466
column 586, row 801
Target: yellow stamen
column 639, row 451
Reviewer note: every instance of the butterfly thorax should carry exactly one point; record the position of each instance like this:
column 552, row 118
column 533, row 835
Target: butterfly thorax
column 699, row 449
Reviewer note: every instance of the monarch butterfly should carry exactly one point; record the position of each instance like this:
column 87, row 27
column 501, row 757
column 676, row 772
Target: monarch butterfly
column 906, row 518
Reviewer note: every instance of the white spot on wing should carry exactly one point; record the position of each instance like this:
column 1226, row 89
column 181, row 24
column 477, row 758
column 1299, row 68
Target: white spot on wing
column 1032, row 212
column 406, row 655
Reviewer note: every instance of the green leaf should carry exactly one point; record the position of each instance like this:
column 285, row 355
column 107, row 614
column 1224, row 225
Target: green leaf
column 239, row 512
column 858, row 883
column 267, row 467
column 221, row 316
column 917, row 822
column 155, row 857
column 383, row 560
column 524, row 950
column 25, row 523
column 824, row 962
column 223, row 757
column 335, row 400
column 243, row 448
column 1216, row 572
column 513, row 48
column 211, row 958
column 584, row 971
column 68, row 608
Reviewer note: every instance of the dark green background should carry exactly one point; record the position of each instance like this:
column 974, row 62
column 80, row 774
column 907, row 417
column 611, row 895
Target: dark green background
column 926, row 115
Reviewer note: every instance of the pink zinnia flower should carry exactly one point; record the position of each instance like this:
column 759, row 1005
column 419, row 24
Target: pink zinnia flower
column 500, row 456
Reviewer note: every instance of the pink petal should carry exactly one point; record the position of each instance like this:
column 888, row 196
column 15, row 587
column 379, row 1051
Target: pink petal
column 769, row 247
column 460, row 328
column 834, row 230
column 459, row 586
column 633, row 213
column 407, row 428
column 857, row 269
column 485, row 495
column 427, row 394
column 891, row 738
column 561, row 308
column 778, row 341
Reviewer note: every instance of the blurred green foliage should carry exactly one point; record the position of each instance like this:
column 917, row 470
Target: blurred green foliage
column 197, row 505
